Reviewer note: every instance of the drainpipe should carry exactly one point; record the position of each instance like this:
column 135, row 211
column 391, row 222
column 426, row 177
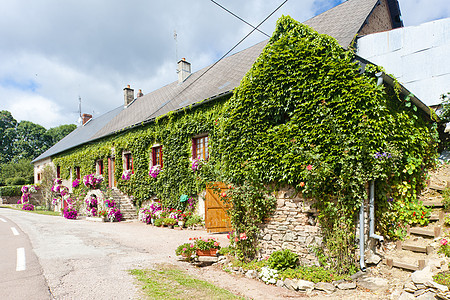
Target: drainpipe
column 361, row 237
column 379, row 78
column 372, row 213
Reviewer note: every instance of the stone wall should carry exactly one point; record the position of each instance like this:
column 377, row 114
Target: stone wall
column 293, row 226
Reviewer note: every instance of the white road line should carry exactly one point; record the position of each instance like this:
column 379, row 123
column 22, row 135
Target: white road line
column 3, row 220
column 21, row 265
column 14, row 230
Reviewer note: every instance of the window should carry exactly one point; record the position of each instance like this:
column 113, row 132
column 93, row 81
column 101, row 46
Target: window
column 39, row 176
column 78, row 172
column 200, row 147
column 58, row 172
column 99, row 167
column 157, row 156
column 128, row 162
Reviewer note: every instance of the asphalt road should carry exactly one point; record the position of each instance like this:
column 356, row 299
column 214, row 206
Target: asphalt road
column 79, row 259
column 21, row 274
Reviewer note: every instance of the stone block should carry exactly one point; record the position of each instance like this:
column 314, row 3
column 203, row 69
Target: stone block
column 304, row 285
column 373, row 283
column 291, row 284
column 289, row 237
column 267, row 237
column 347, row 285
column 422, row 276
column 325, row 286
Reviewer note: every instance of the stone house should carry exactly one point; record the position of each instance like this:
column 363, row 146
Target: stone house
column 293, row 225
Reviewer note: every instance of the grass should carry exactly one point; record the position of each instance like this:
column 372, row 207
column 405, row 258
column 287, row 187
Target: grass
column 37, row 210
column 169, row 282
column 442, row 278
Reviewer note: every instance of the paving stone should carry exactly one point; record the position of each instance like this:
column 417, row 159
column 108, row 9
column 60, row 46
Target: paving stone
column 304, row 285
column 406, row 296
column 410, row 287
column 291, row 284
column 427, row 296
column 422, row 276
column 251, row 274
column 346, row 286
column 326, row 287
column 437, row 286
column 373, row 283
column 280, row 283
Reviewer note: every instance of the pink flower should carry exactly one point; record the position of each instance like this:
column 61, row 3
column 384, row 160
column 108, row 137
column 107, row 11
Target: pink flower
column 192, row 245
column 216, row 244
column 309, row 167
column 444, row 242
column 184, row 249
column 243, row 236
column 236, row 239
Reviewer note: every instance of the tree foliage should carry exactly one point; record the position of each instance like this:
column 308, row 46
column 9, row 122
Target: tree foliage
column 21, row 142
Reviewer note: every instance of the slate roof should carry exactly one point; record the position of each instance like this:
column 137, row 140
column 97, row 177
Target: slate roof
column 81, row 135
column 342, row 22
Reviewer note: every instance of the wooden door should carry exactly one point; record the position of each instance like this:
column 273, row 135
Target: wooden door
column 216, row 217
column 111, row 171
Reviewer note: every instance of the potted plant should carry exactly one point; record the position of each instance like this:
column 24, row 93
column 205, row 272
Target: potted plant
column 103, row 214
column 159, row 222
column 186, row 250
column 206, row 246
column 170, row 222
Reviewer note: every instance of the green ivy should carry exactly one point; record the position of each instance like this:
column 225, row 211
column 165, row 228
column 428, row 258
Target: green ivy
column 174, row 132
column 305, row 116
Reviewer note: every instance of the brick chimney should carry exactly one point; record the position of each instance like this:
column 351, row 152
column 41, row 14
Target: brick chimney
column 128, row 95
column 184, row 70
column 86, row 118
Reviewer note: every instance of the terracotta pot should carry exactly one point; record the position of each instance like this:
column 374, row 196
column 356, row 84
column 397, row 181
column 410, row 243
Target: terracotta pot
column 209, row 252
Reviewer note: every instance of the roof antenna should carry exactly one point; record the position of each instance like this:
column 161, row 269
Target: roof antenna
column 79, row 110
column 176, row 46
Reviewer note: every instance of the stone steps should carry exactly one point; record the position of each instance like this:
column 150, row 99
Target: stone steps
column 432, row 233
column 390, row 262
column 126, row 207
column 414, row 248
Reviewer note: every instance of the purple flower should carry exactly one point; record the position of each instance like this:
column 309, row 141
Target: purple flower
column 154, row 171
column 75, row 183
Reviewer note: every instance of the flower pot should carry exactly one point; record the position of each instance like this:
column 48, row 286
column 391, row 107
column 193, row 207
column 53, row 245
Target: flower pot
column 170, row 226
column 209, row 252
column 181, row 223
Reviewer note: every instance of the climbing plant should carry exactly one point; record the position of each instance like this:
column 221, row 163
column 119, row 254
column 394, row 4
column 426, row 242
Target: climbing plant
column 306, row 116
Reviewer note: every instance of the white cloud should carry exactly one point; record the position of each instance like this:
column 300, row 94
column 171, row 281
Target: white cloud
column 59, row 50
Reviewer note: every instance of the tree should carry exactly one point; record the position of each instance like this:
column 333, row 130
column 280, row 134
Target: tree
column 30, row 140
column 56, row 134
column 7, row 127
column 12, row 171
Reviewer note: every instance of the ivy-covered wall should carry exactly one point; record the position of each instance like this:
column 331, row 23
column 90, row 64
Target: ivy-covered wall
column 303, row 116
column 174, row 132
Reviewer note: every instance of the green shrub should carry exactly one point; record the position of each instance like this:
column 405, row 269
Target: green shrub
column 194, row 220
column 10, row 190
column 442, row 278
column 314, row 274
column 169, row 221
column 446, row 198
column 159, row 222
column 282, row 260
column 16, row 181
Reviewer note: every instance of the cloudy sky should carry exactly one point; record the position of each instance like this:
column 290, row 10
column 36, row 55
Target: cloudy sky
column 53, row 52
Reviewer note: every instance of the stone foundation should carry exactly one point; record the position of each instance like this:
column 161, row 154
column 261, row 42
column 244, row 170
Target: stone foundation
column 293, row 226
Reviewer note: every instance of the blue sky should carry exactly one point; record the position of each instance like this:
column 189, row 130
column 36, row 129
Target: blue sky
column 57, row 51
